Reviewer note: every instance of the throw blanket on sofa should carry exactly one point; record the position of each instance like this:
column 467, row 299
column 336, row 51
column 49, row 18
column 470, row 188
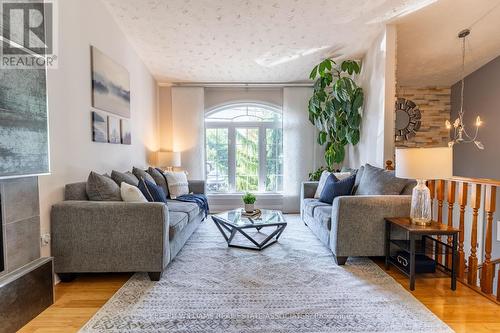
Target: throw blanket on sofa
column 200, row 199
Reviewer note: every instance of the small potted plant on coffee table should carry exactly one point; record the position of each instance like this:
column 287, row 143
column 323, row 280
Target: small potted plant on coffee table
column 249, row 200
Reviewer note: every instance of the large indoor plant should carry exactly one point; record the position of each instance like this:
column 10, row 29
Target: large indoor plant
column 335, row 107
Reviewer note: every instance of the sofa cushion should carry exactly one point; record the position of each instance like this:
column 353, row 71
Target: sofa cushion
column 102, row 188
column 76, row 191
column 377, row 181
column 324, row 215
column 189, row 208
column 151, row 191
column 124, row 177
column 141, row 174
column 310, row 205
column 336, row 188
column 408, row 189
column 159, row 178
column 177, row 222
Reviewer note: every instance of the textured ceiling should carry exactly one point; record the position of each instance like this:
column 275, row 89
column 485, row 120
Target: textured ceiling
column 429, row 51
column 250, row 40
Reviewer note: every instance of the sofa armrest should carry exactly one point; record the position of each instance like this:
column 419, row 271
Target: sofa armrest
column 197, row 186
column 358, row 225
column 308, row 189
column 109, row 236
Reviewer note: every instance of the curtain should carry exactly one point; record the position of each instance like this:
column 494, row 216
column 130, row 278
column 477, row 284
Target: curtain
column 188, row 128
column 301, row 153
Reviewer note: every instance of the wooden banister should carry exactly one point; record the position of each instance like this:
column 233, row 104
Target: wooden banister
column 456, row 191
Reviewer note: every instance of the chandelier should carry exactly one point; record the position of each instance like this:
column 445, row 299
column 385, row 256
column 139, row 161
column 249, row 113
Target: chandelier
column 461, row 133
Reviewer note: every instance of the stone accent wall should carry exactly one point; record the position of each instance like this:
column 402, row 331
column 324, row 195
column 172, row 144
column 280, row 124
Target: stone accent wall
column 435, row 106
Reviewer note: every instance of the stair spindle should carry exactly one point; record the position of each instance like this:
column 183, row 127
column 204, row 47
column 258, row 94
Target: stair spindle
column 487, row 273
column 451, row 203
column 462, row 201
column 475, row 204
column 440, row 199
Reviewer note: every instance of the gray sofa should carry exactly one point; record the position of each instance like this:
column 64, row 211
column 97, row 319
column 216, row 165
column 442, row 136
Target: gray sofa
column 353, row 225
column 105, row 236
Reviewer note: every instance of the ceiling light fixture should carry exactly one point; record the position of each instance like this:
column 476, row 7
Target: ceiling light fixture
column 460, row 132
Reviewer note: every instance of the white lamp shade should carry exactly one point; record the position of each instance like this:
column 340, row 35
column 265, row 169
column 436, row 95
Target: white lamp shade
column 424, row 163
column 169, row 159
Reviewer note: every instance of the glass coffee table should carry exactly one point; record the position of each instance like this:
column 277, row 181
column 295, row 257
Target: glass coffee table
column 253, row 233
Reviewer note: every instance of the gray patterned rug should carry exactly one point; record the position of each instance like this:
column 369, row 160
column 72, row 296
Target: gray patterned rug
column 292, row 286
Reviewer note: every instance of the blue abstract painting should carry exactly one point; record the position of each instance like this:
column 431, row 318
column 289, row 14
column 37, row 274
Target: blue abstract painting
column 110, row 85
column 99, row 127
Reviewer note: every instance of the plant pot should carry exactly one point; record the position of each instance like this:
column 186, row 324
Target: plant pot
column 249, row 208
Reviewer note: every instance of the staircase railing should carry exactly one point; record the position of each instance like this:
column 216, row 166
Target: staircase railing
column 461, row 195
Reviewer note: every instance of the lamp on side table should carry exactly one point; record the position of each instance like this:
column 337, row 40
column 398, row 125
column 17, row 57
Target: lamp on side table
column 423, row 164
column 169, row 160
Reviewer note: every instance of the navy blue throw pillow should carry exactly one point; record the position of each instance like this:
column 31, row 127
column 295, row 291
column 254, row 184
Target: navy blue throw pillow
column 152, row 192
column 336, row 188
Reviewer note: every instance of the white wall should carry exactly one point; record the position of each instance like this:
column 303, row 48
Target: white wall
column 378, row 80
column 188, row 129
column 73, row 154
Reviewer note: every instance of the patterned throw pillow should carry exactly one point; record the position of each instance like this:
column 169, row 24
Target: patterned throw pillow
column 336, row 188
column 102, row 188
column 177, row 184
column 124, row 177
column 131, row 193
column 151, row 191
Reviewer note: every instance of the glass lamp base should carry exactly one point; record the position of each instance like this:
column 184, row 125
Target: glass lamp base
column 420, row 213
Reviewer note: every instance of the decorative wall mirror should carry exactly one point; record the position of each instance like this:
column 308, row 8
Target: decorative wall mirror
column 408, row 119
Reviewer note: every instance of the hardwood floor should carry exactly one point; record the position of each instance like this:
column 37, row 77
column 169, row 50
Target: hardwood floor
column 76, row 302
column 463, row 310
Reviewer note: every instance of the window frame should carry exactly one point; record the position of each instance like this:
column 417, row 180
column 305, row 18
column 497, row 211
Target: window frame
column 231, row 126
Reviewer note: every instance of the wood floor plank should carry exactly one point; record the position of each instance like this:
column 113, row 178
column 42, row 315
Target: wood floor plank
column 463, row 310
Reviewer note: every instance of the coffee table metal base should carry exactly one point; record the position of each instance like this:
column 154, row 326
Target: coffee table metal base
column 229, row 232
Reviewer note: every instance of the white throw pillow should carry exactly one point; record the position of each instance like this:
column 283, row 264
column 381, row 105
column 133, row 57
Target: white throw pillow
column 324, row 177
column 131, row 193
column 177, row 184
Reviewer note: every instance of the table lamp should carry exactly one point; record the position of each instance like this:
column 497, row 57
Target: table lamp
column 423, row 164
column 169, row 160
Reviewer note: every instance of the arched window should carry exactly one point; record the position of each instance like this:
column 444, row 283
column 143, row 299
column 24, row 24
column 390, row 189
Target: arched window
column 244, row 148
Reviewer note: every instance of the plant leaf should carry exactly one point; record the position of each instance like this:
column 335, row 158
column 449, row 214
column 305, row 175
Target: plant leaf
column 322, row 138
column 314, row 72
column 353, row 136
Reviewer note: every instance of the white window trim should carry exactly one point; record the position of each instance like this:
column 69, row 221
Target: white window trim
column 231, row 127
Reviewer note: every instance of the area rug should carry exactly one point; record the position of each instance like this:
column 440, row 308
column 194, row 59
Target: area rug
column 292, row 286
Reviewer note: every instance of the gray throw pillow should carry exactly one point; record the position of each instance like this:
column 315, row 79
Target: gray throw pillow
column 127, row 177
column 159, row 179
column 102, row 188
column 359, row 174
column 377, row 181
column 408, row 189
column 141, row 174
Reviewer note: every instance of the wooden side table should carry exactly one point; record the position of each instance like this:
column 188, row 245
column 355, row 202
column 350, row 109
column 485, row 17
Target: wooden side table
column 415, row 232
